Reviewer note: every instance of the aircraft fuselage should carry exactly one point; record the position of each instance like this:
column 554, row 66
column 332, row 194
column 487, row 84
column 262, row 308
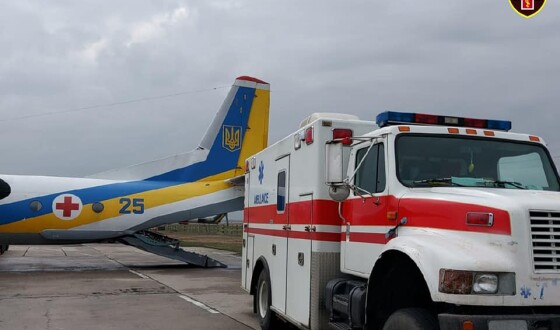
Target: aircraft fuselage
column 43, row 210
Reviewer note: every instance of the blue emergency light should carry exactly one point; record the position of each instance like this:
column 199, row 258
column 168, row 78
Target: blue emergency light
column 388, row 118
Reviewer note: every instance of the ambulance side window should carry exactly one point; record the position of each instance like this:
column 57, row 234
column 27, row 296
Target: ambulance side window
column 281, row 192
column 371, row 174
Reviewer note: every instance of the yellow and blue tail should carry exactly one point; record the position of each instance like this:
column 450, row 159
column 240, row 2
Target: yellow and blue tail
column 239, row 130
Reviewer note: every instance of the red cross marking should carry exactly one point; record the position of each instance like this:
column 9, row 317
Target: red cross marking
column 67, row 207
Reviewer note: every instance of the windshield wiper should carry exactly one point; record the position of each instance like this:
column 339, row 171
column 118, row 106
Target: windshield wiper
column 435, row 181
column 511, row 183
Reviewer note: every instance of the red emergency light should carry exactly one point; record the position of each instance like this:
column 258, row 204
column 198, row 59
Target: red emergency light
column 309, row 135
column 426, row 119
column 480, row 219
column 343, row 135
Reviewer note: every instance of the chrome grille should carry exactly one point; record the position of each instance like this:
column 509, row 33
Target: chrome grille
column 545, row 236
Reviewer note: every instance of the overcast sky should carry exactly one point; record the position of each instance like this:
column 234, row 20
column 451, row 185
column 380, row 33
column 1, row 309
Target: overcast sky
column 470, row 58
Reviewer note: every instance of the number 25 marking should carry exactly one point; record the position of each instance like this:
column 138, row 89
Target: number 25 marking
column 136, row 203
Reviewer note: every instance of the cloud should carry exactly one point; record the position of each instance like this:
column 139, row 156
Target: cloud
column 91, row 51
column 156, row 26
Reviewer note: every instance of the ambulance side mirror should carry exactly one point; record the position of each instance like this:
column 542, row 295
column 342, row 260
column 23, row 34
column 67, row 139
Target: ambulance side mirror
column 338, row 188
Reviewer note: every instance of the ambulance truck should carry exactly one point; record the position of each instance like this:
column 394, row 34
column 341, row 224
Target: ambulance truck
column 413, row 221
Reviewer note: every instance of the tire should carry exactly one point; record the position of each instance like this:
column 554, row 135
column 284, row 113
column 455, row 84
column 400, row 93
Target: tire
column 411, row 319
column 263, row 298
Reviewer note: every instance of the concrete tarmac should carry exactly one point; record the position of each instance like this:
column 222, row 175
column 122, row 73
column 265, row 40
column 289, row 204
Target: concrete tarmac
column 113, row 286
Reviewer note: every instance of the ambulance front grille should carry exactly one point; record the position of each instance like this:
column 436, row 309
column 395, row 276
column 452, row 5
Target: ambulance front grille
column 545, row 237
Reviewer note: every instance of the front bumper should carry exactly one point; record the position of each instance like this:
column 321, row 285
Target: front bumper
column 501, row 322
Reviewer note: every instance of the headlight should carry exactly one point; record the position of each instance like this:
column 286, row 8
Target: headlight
column 485, row 283
column 468, row 282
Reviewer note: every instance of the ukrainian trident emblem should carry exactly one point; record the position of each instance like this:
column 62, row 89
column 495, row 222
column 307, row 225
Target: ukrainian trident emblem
column 231, row 138
column 527, row 8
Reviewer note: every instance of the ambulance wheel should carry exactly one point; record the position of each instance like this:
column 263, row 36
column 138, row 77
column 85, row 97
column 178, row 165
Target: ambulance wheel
column 267, row 319
column 411, row 319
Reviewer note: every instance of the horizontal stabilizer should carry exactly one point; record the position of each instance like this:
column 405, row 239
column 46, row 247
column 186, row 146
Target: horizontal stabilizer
column 213, row 220
column 237, row 181
column 167, row 247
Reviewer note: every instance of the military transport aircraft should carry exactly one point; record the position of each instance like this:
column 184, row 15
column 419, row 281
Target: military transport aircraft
column 122, row 204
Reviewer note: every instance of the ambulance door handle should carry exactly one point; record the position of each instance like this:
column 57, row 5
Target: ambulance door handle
column 286, row 227
column 307, row 228
column 311, row 228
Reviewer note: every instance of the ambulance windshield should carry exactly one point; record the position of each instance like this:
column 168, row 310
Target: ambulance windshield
column 430, row 160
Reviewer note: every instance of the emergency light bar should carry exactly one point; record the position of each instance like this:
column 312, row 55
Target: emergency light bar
column 388, row 118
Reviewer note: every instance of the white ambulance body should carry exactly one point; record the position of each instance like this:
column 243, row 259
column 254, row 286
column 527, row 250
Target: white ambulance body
column 427, row 222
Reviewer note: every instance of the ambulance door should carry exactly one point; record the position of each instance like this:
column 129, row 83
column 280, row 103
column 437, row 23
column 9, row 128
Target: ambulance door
column 280, row 245
column 298, row 287
column 248, row 240
column 367, row 215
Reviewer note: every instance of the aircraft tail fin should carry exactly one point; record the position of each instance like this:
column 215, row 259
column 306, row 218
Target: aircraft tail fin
column 239, row 130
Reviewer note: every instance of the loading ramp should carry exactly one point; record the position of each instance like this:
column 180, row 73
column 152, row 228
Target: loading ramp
column 168, row 247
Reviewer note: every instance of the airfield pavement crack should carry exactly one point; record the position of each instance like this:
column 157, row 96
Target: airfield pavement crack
column 179, row 294
column 184, row 295
column 48, row 316
column 86, row 295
